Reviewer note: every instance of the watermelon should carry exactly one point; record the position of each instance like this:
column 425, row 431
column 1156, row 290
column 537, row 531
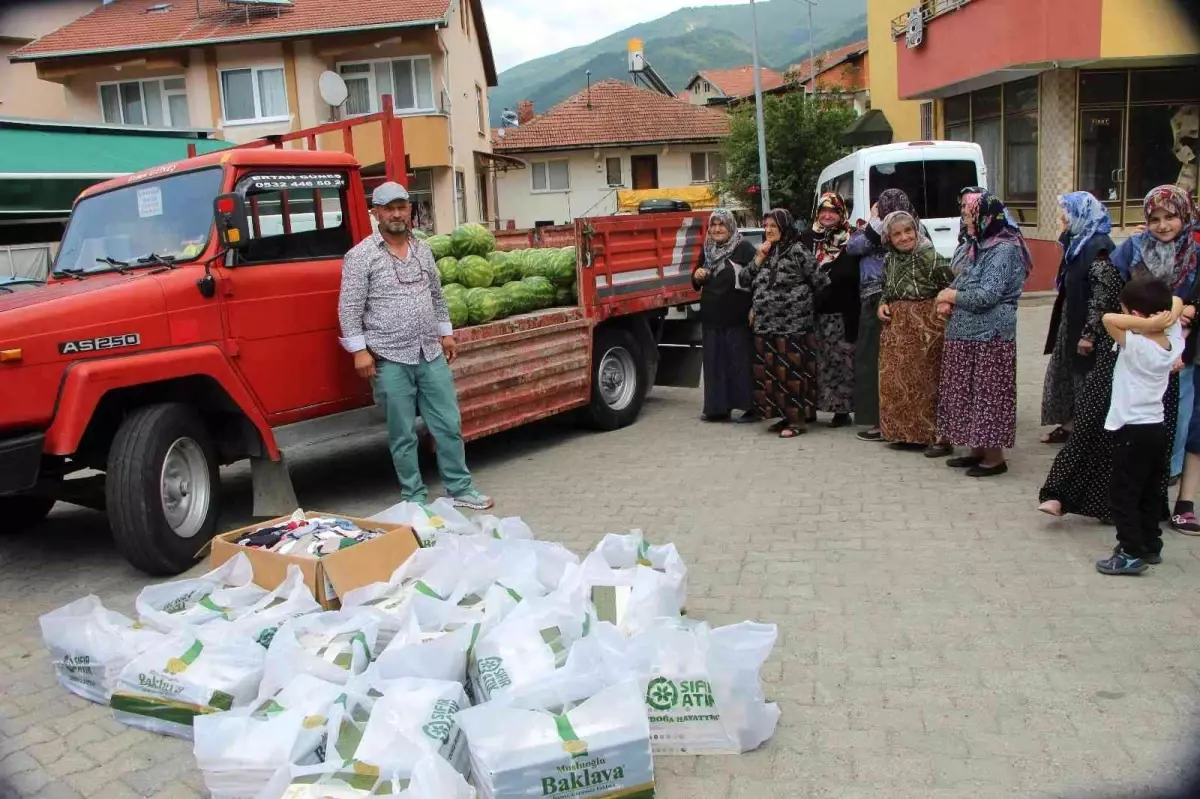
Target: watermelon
column 542, row 289
column 459, row 316
column 484, row 305
column 520, row 296
column 560, row 267
column 503, row 270
column 472, row 239
column 453, row 289
column 563, row 297
column 440, row 246
column 475, row 272
column 420, row 234
column 449, row 270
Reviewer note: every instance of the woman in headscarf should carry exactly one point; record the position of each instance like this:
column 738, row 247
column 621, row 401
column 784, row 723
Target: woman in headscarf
column 725, row 319
column 910, row 347
column 867, row 245
column 837, row 307
column 785, row 281
column 977, row 397
column 1084, row 226
column 1078, row 480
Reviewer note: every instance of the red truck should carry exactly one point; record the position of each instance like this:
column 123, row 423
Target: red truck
column 192, row 313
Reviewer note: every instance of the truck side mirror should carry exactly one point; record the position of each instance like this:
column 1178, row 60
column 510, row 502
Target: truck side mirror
column 233, row 229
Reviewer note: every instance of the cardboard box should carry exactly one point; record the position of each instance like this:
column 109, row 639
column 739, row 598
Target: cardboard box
column 332, row 576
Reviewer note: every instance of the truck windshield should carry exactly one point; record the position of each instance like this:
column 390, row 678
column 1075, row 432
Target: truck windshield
column 170, row 217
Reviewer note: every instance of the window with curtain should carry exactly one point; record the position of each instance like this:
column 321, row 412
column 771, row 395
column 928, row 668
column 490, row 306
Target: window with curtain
column 707, row 167
column 550, row 175
column 254, row 94
column 408, row 80
column 612, row 168
column 1003, row 121
column 155, row 102
column 460, row 190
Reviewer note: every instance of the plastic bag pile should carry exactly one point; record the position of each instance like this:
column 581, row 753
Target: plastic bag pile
column 491, row 664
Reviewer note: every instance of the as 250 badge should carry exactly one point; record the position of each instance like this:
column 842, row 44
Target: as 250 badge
column 99, row 344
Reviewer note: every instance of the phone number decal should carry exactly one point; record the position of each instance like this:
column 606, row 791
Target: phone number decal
column 298, row 181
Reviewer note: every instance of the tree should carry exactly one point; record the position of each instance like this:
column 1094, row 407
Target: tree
column 802, row 139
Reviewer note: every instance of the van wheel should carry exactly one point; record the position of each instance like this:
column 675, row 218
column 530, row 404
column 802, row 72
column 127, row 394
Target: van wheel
column 163, row 488
column 618, row 379
column 23, row 511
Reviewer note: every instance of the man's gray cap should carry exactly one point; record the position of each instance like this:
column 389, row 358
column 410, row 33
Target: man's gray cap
column 388, row 193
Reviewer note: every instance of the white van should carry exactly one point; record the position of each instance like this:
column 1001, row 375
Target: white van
column 931, row 173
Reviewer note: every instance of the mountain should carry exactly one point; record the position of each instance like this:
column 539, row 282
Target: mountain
column 680, row 44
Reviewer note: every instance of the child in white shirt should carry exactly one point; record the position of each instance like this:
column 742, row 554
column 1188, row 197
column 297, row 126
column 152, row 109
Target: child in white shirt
column 1151, row 345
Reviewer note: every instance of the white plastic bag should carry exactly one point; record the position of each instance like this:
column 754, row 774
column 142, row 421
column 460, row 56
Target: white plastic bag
column 628, row 551
column 238, row 752
column 422, row 584
column 631, row 584
column 428, row 521
column 529, row 645
column 89, row 645
column 414, row 716
column 703, row 687
column 190, row 673
column 507, row 529
column 290, row 600
column 332, row 646
column 599, row 748
column 220, row 594
column 431, row 778
column 440, row 655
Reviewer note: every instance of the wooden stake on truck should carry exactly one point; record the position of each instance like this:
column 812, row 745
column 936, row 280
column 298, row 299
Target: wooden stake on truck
column 157, row 355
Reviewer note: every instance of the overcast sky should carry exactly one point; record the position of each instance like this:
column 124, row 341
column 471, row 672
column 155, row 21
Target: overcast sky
column 525, row 29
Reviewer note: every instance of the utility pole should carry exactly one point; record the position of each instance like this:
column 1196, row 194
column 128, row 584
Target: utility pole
column 812, row 53
column 763, row 182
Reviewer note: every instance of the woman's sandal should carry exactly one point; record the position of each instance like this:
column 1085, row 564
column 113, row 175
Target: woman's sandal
column 777, row 427
column 1059, row 435
column 792, row 431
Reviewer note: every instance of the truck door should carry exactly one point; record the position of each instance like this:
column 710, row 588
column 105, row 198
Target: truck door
column 280, row 295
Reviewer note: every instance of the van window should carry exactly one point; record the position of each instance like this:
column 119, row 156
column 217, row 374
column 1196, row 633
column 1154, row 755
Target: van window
column 933, row 186
column 842, row 185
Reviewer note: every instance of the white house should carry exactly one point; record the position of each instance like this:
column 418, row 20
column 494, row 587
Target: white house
column 615, row 136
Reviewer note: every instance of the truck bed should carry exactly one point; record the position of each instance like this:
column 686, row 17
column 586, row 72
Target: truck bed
column 522, row 368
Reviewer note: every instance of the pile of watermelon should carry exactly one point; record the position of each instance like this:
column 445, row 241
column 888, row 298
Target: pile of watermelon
column 482, row 284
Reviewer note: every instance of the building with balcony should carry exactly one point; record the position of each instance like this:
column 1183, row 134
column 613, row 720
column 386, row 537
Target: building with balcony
column 1062, row 95
column 250, row 68
column 578, row 158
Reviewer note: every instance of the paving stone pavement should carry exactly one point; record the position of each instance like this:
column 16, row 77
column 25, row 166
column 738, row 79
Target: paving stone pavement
column 938, row 637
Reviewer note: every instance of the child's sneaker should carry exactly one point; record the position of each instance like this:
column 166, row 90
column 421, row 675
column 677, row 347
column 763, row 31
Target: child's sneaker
column 474, row 499
column 1186, row 523
column 1121, row 563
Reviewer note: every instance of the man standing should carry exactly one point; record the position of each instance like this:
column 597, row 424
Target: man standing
column 394, row 319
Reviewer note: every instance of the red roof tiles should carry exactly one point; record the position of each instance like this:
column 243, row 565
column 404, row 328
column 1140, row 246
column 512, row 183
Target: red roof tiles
column 825, row 61
column 739, row 81
column 620, row 114
column 130, row 25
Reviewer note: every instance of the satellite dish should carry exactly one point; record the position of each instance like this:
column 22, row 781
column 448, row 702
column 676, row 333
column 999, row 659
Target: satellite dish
column 333, row 88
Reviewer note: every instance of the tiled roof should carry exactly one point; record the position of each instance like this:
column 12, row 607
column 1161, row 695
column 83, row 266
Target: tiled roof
column 620, row 114
column 739, row 81
column 131, row 25
column 825, row 61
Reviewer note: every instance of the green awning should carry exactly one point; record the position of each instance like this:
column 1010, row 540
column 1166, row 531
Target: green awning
column 869, row 130
column 44, row 167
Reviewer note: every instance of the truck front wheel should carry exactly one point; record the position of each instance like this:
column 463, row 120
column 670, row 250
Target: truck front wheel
column 618, row 379
column 23, row 511
column 163, row 488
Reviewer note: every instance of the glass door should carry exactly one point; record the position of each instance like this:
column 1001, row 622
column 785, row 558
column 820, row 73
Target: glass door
column 1102, row 157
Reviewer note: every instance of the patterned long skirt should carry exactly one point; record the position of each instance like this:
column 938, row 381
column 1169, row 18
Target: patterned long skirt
column 1063, row 384
column 1082, row 470
column 910, row 367
column 977, row 398
column 727, row 365
column 835, row 359
column 785, row 377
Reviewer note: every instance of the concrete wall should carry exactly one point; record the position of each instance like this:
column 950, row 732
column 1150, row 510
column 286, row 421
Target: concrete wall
column 465, row 70
column 904, row 116
column 589, row 194
column 22, row 94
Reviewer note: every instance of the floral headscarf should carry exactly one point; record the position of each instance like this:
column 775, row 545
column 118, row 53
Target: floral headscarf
column 921, row 258
column 896, row 217
column 716, row 254
column 786, row 223
column 830, row 241
column 1086, row 217
column 993, row 225
column 892, row 200
column 1171, row 261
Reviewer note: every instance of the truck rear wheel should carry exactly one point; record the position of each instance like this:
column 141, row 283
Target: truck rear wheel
column 163, row 488
column 23, row 511
column 618, row 379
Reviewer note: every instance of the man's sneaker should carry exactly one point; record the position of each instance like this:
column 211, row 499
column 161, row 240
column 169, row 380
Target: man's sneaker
column 1186, row 523
column 1121, row 563
column 474, row 499
column 1153, row 560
